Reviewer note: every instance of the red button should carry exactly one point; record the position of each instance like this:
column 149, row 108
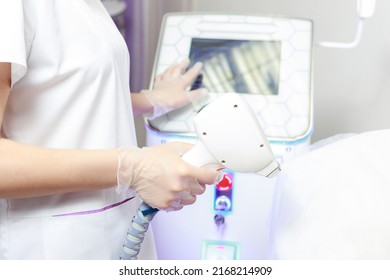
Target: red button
column 226, row 183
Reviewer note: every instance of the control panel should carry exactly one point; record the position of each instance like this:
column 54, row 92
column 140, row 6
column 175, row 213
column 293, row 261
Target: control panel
column 223, row 199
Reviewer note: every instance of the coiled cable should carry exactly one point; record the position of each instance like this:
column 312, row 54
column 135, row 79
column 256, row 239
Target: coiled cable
column 136, row 232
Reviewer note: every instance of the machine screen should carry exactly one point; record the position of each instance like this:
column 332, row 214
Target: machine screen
column 240, row 66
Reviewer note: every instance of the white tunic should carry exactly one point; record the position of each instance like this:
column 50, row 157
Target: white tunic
column 70, row 77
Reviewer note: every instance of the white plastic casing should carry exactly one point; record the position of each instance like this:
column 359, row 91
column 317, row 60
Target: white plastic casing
column 285, row 116
column 229, row 135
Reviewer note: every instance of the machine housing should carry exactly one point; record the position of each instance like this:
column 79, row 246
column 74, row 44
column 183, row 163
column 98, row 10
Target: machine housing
column 267, row 60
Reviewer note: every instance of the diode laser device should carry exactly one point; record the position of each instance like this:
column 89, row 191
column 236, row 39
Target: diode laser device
column 229, row 136
column 267, row 60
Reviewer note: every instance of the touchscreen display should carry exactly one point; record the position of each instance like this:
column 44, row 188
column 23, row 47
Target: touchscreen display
column 241, row 66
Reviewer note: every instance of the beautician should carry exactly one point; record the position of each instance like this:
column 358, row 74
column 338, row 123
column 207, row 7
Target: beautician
column 71, row 174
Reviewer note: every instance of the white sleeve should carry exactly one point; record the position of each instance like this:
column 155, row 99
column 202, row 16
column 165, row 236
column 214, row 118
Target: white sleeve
column 12, row 37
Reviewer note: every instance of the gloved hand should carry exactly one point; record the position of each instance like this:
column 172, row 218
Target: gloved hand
column 169, row 91
column 160, row 177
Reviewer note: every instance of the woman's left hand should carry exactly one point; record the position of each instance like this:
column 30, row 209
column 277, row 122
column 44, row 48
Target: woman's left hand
column 170, row 88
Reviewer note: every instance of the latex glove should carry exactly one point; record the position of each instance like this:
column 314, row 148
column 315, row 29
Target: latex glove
column 169, row 91
column 160, row 177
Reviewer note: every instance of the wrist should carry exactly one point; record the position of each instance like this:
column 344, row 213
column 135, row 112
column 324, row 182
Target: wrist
column 127, row 158
column 149, row 113
column 141, row 104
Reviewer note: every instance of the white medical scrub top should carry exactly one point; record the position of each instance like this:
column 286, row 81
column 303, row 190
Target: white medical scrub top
column 70, row 78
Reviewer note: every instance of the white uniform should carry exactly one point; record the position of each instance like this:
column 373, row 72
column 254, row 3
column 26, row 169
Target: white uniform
column 70, row 77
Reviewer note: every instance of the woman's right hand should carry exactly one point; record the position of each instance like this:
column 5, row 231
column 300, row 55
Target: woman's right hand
column 161, row 178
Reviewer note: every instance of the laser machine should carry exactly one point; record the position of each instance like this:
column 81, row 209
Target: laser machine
column 268, row 61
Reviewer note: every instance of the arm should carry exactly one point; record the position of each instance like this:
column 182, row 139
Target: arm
column 27, row 170
column 157, row 174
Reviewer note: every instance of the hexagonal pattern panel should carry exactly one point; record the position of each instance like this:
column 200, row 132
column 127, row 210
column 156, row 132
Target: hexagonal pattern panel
column 284, row 116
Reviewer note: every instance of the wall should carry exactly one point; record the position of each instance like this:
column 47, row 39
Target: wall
column 351, row 87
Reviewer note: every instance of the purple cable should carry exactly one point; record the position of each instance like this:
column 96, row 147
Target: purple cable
column 89, row 212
